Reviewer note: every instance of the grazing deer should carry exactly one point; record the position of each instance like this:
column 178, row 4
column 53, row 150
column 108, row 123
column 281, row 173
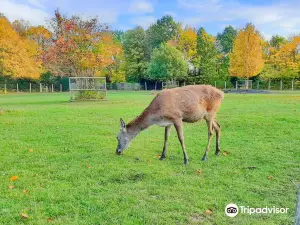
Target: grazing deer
column 172, row 107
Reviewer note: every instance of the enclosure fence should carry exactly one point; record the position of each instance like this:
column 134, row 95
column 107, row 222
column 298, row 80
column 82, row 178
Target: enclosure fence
column 271, row 85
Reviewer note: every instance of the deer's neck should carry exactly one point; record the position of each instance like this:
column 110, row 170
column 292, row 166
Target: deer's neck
column 140, row 123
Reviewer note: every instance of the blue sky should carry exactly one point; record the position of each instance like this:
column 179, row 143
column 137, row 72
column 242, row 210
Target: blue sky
column 270, row 17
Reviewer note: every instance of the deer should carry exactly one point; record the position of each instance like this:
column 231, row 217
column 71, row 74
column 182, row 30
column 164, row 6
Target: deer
column 174, row 106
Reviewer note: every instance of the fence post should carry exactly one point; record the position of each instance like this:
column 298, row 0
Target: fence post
column 52, row 87
column 257, row 84
column 146, row 86
column 281, row 84
column 60, row 88
column 269, row 85
column 41, row 89
column 215, row 84
column 194, row 83
column 225, row 86
column 5, row 89
column 17, row 87
column 155, row 85
column 29, row 87
column 236, row 85
column 292, row 84
column 184, row 83
column 46, row 88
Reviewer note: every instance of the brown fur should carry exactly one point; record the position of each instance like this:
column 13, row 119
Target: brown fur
column 188, row 104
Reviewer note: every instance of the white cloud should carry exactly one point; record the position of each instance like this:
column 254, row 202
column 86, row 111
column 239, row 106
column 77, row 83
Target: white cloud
column 143, row 21
column 141, row 7
column 37, row 3
column 282, row 18
column 15, row 11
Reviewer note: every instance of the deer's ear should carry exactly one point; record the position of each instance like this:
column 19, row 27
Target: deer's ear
column 122, row 124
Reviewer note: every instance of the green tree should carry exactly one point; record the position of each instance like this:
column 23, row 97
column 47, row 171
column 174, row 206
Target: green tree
column 136, row 54
column 162, row 31
column 277, row 41
column 207, row 54
column 224, row 45
column 167, row 63
column 226, row 39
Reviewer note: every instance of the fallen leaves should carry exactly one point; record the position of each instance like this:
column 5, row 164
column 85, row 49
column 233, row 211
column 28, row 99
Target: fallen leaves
column 270, row 177
column 208, row 212
column 31, row 150
column 198, row 171
column 157, row 156
column 14, row 178
column 11, row 187
column 225, row 153
column 25, row 191
column 24, row 216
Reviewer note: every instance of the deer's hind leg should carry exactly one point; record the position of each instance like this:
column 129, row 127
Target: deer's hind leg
column 167, row 134
column 217, row 127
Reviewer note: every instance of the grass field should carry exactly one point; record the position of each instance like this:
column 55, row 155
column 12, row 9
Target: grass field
column 68, row 173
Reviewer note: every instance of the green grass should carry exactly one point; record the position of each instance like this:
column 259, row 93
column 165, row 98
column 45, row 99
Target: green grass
column 73, row 175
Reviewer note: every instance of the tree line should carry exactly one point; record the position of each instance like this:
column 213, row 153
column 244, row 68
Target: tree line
column 167, row 50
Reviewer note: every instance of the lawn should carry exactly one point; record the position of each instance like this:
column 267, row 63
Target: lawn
column 68, row 173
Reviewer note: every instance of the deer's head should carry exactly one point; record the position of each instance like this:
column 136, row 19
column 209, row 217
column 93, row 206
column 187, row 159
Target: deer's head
column 123, row 138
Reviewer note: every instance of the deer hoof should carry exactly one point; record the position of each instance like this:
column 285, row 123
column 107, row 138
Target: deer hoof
column 162, row 157
column 186, row 162
column 204, row 158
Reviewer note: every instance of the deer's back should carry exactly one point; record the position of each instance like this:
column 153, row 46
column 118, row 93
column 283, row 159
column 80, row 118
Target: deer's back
column 190, row 103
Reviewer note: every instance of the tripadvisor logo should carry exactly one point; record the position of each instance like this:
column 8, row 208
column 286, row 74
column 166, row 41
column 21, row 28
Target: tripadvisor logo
column 231, row 210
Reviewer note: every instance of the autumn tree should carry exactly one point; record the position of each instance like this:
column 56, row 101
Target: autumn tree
column 167, row 63
column 41, row 35
column 283, row 60
column 136, row 54
column 162, row 31
column 18, row 55
column 246, row 60
column 186, row 42
column 21, row 27
column 207, row 54
column 81, row 47
column 115, row 71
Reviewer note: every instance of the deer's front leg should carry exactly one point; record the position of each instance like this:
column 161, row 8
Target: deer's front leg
column 210, row 133
column 178, row 126
column 217, row 128
column 167, row 134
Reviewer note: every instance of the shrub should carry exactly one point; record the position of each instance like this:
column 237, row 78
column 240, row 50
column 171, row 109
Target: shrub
column 89, row 95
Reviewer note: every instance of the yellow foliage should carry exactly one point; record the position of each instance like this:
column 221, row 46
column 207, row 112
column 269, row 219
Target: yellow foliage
column 247, row 57
column 186, row 42
column 18, row 56
column 283, row 62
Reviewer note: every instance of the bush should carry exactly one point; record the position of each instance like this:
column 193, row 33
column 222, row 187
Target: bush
column 90, row 95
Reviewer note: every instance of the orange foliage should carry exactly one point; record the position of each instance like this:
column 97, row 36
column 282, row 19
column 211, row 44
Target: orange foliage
column 18, row 55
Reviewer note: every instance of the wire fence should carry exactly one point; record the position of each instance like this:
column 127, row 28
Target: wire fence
column 275, row 85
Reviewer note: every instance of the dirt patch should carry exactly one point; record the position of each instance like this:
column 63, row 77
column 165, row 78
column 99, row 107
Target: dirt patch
column 196, row 219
